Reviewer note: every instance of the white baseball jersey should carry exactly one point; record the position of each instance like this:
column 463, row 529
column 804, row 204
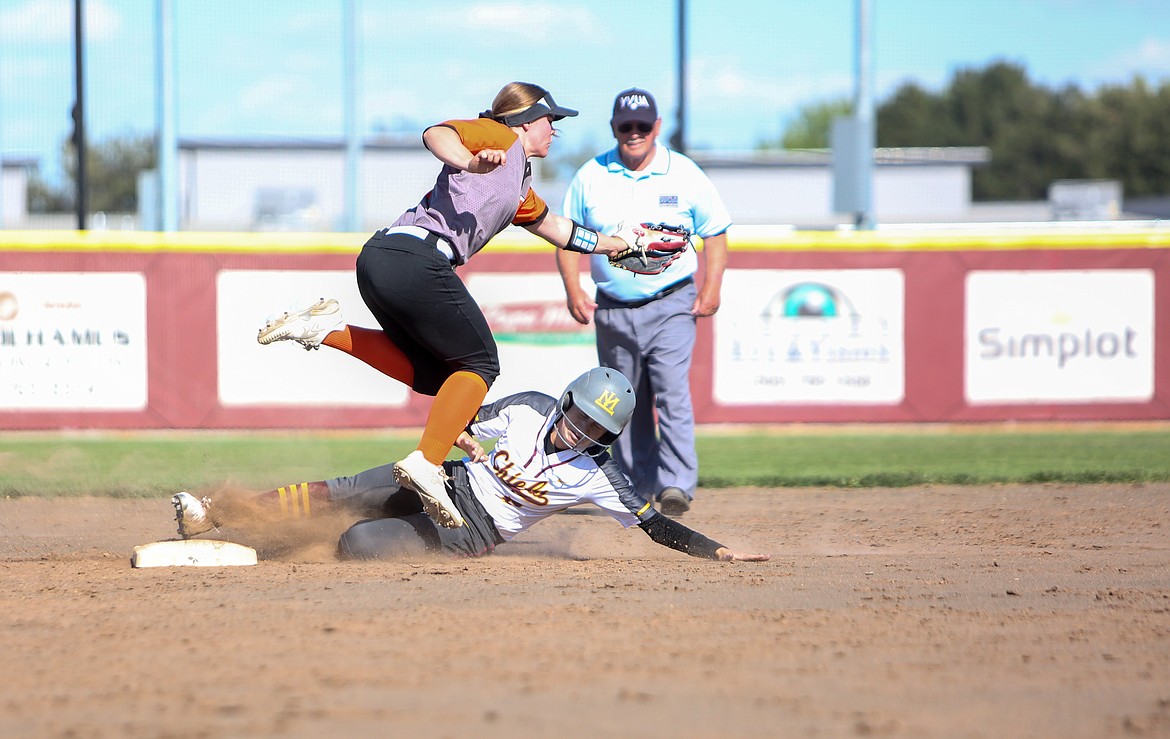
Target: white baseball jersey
column 525, row 479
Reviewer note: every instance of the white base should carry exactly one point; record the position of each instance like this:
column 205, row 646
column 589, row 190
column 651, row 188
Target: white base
column 192, row 553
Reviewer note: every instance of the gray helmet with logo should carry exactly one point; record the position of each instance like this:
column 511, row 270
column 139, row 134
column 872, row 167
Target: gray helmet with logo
column 605, row 396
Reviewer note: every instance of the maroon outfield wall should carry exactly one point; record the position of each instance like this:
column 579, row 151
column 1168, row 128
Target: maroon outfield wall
column 929, row 381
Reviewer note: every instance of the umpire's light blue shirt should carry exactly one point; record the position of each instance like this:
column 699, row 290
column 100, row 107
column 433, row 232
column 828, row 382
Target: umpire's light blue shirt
column 604, row 194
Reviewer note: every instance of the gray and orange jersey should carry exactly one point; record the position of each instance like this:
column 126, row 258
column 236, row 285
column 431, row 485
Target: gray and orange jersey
column 467, row 209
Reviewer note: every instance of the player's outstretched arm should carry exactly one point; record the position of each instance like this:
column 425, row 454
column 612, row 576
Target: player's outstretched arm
column 723, row 554
column 564, row 233
column 670, row 533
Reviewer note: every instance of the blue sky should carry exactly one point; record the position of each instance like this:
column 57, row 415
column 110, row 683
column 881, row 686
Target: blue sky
column 268, row 69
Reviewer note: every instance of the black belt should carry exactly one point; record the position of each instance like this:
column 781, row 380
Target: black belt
column 615, row 303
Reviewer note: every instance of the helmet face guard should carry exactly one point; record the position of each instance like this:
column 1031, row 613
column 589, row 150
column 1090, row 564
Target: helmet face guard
column 606, row 398
column 585, row 443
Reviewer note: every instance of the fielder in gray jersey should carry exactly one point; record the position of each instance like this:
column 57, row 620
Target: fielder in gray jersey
column 549, row 455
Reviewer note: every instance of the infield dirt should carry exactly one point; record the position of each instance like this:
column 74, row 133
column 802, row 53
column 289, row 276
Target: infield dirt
column 1014, row 611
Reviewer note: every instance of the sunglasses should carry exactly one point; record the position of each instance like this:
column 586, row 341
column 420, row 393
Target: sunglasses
column 642, row 127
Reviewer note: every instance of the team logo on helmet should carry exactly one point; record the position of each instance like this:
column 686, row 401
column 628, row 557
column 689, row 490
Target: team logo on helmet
column 607, row 401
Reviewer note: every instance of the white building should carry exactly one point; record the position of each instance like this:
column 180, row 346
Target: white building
column 296, row 186
column 242, row 186
column 14, row 192
column 919, row 185
column 226, row 185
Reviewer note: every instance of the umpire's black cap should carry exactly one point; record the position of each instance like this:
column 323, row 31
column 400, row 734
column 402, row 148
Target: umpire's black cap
column 634, row 105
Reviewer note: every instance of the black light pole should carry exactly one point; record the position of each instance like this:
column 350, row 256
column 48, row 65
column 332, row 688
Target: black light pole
column 678, row 141
column 79, row 111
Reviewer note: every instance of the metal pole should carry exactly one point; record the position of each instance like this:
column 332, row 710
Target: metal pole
column 167, row 186
column 79, row 110
column 353, row 134
column 679, row 140
column 865, row 117
column 1, row 161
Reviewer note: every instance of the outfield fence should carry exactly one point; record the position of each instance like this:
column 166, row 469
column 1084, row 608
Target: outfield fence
column 124, row 330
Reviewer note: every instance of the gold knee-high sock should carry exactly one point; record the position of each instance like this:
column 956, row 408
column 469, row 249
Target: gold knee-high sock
column 455, row 405
column 299, row 500
column 293, row 499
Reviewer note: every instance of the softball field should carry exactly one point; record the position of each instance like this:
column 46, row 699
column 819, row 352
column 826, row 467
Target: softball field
column 1013, row 611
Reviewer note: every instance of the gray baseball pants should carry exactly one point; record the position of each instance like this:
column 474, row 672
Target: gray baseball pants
column 399, row 526
column 652, row 346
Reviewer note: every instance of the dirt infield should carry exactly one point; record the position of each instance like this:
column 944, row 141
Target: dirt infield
column 1037, row 611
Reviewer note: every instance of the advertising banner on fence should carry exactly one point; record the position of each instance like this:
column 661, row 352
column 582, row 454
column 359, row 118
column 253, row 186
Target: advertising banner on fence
column 812, row 336
column 72, row 341
column 541, row 346
column 1059, row 336
column 285, row 373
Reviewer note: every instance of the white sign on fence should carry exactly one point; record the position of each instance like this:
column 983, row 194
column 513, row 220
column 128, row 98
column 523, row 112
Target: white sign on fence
column 541, row 346
column 284, row 373
column 811, row 336
column 1059, row 336
column 73, row 340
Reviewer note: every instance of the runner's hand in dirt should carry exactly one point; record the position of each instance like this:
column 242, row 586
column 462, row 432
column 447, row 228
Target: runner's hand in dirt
column 723, row 554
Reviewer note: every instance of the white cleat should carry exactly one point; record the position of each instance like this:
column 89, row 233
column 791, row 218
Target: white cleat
column 191, row 514
column 430, row 482
column 307, row 327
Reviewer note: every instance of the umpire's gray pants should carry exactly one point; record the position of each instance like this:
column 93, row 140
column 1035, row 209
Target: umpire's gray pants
column 652, row 346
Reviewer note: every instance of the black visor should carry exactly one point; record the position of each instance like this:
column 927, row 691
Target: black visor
column 546, row 106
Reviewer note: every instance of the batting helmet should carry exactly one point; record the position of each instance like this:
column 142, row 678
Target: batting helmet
column 606, row 397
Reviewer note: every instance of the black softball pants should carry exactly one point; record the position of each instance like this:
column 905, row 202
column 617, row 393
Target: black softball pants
column 426, row 310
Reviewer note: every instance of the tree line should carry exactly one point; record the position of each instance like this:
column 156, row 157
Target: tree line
column 1036, row 134
column 112, row 168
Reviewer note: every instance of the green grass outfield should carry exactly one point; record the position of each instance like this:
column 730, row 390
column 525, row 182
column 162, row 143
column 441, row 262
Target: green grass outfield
column 143, row 464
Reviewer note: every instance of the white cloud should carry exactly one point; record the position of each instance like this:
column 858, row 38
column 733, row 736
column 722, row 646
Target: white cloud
column 1154, row 52
column 272, row 105
column 731, row 83
column 52, row 21
column 26, row 74
column 318, row 18
column 722, row 80
column 493, row 24
column 1151, row 57
column 536, row 22
column 398, row 110
column 455, row 88
column 270, row 94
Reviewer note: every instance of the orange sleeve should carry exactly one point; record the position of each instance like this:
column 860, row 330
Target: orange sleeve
column 482, row 133
column 532, row 210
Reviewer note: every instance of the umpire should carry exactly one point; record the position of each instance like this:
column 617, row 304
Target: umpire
column 645, row 324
